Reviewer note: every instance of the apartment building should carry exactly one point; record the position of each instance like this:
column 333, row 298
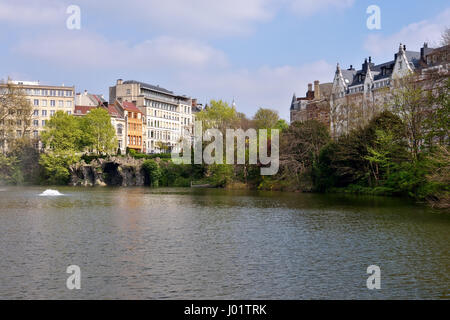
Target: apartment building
column 314, row 105
column 90, row 99
column 356, row 96
column 167, row 116
column 134, row 120
column 119, row 123
column 46, row 101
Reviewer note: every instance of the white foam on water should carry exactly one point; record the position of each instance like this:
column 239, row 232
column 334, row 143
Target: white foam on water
column 50, row 193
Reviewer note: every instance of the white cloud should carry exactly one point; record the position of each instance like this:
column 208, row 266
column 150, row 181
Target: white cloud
column 413, row 35
column 86, row 50
column 209, row 17
column 191, row 17
column 177, row 17
column 309, row 7
column 26, row 13
column 196, row 68
column 269, row 87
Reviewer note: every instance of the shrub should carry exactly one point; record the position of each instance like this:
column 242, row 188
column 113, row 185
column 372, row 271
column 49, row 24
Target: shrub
column 152, row 171
column 56, row 167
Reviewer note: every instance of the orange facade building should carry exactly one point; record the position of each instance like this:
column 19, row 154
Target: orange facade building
column 134, row 120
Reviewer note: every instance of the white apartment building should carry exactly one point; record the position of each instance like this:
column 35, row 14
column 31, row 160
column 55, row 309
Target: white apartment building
column 167, row 116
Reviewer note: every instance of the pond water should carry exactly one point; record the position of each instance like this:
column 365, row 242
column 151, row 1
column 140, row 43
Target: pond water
column 141, row 243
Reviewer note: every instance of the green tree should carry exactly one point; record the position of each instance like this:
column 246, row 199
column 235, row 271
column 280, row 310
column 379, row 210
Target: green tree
column 361, row 157
column 437, row 123
column 27, row 155
column 62, row 139
column 9, row 170
column 15, row 114
column 56, row 166
column 380, row 155
column 439, row 178
column 99, row 132
column 219, row 175
column 299, row 151
column 62, row 132
column 153, row 172
column 266, row 119
column 219, row 115
column 282, row 125
column 412, row 104
column 162, row 146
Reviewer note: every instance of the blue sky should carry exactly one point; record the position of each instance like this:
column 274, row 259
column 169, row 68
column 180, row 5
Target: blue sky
column 258, row 52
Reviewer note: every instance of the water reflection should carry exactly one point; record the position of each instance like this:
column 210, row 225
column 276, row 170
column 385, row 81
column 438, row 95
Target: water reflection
column 135, row 243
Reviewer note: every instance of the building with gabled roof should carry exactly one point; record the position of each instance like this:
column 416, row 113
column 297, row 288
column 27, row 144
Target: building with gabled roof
column 119, row 123
column 358, row 95
column 355, row 96
column 90, row 99
column 134, row 122
column 314, row 105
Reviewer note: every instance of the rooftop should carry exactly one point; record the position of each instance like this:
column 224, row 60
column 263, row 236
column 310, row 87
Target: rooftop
column 131, row 107
column 149, row 86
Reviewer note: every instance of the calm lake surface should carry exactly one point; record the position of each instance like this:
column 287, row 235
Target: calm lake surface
column 141, row 243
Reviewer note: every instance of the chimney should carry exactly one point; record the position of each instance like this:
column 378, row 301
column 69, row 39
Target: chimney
column 316, row 90
column 119, row 81
column 310, row 87
column 422, row 51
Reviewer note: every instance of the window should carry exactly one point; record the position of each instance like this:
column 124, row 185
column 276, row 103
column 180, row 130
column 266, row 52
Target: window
column 44, row 103
column 44, row 122
column 36, row 123
column 128, row 91
column 36, row 112
column 68, row 104
column 52, row 103
column 44, row 113
column 36, row 102
column 45, row 92
column 69, row 112
column 52, row 113
column 35, row 133
column 60, row 103
column 37, row 92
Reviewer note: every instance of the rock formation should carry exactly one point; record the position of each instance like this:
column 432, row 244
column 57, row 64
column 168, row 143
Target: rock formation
column 112, row 171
